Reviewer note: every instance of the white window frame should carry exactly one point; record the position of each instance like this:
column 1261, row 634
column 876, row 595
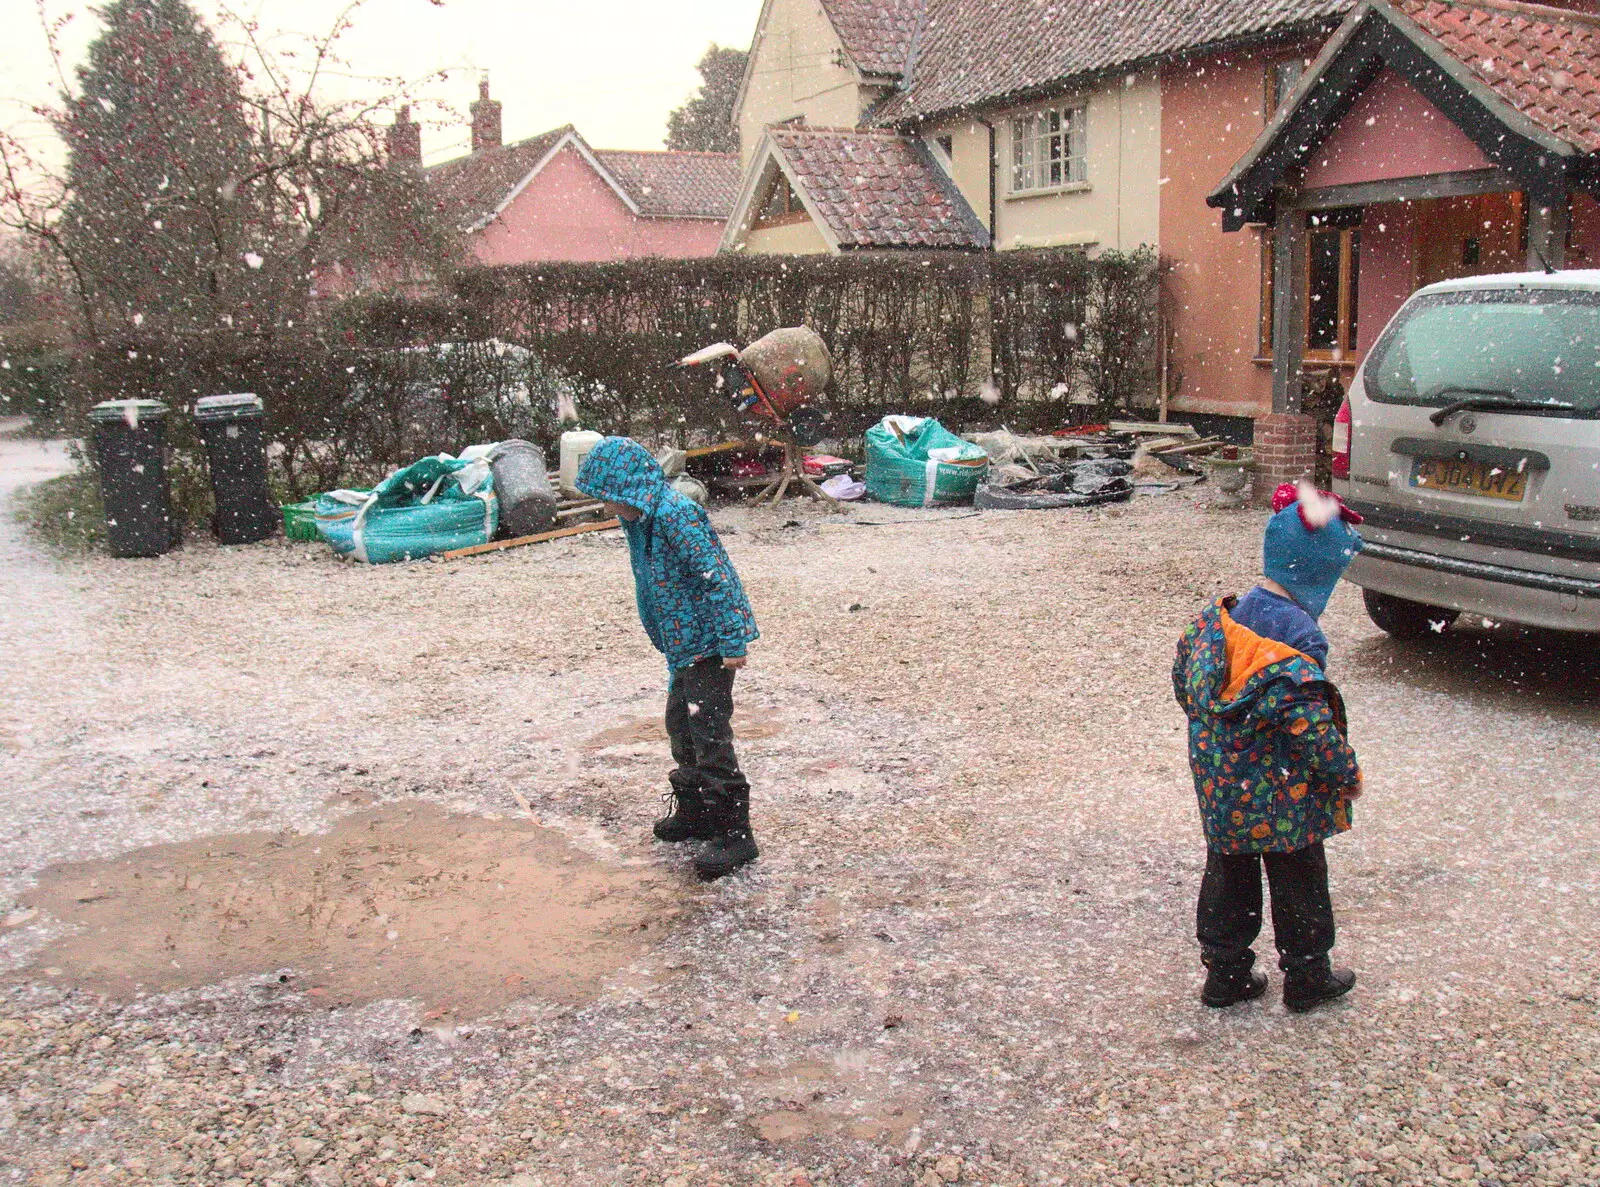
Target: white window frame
column 1049, row 149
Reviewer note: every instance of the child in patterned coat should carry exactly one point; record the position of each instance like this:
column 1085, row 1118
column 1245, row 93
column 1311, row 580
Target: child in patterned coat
column 694, row 610
column 1272, row 768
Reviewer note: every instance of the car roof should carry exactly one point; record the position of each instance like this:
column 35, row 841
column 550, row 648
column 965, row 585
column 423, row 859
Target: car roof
column 1586, row 279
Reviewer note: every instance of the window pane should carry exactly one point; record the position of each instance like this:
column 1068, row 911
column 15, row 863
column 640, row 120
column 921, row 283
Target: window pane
column 1078, row 145
column 1322, row 294
column 1537, row 345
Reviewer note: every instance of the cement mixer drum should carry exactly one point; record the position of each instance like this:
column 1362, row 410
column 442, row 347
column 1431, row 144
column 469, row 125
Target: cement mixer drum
column 792, row 365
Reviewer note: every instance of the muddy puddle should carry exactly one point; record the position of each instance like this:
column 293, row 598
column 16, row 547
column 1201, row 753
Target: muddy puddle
column 402, row 901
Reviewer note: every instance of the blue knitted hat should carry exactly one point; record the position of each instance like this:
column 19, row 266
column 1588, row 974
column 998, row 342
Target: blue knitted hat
column 1310, row 542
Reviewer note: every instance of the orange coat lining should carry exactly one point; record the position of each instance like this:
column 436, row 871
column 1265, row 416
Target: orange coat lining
column 1248, row 653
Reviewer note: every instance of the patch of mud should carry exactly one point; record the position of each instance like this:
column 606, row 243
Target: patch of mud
column 747, row 725
column 843, row 1098
column 403, row 901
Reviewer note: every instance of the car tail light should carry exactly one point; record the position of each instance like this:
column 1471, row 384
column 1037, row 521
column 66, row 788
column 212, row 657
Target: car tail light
column 1341, row 442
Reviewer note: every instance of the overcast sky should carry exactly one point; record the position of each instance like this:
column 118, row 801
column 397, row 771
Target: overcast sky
column 614, row 68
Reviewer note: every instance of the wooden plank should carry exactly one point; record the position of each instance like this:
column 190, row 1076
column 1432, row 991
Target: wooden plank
column 1145, row 426
column 725, row 447
column 537, row 538
column 580, row 509
column 1407, row 189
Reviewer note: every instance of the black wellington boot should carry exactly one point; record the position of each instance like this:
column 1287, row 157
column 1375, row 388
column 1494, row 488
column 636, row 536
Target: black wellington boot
column 1224, row 988
column 732, row 844
column 689, row 819
column 1306, row 992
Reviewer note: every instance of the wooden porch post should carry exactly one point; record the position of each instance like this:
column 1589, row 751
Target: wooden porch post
column 1288, row 306
column 1549, row 214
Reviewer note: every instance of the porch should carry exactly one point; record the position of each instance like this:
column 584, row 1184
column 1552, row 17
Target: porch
column 1404, row 157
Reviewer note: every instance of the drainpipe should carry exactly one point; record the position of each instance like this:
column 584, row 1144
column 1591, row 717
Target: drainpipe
column 994, row 169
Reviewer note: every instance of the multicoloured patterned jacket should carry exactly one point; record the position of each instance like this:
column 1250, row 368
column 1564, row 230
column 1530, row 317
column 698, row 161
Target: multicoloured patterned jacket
column 690, row 600
column 1267, row 743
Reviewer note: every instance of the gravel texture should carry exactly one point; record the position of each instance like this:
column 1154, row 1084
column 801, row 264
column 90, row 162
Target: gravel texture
column 966, row 953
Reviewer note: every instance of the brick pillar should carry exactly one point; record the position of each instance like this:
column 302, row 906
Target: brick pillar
column 1285, row 449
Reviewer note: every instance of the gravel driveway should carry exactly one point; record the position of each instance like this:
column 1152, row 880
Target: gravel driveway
column 966, row 954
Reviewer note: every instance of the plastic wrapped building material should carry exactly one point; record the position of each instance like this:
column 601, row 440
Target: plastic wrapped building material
column 1077, row 484
column 434, row 505
column 916, row 462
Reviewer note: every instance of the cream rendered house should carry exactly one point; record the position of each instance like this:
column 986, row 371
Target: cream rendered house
column 1080, row 169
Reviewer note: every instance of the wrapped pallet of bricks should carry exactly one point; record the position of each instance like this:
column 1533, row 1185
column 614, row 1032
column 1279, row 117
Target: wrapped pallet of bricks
column 916, row 462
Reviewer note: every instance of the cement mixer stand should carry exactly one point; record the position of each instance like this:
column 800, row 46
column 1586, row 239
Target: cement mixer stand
column 793, row 473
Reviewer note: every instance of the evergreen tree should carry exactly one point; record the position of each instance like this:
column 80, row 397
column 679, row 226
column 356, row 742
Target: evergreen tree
column 158, row 223
column 705, row 122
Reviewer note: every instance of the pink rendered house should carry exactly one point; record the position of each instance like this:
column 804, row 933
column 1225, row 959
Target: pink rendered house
column 553, row 197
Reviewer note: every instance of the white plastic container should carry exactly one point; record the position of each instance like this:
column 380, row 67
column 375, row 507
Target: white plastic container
column 575, row 446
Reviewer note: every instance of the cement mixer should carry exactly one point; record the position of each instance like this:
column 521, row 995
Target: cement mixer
column 776, row 379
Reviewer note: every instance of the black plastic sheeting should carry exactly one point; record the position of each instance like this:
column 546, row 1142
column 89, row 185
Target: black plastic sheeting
column 1078, row 484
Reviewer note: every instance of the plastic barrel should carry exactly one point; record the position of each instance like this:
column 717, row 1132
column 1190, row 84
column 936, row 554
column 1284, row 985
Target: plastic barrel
column 527, row 502
column 130, row 440
column 236, row 452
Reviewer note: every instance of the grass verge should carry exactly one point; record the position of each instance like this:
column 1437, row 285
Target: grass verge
column 64, row 513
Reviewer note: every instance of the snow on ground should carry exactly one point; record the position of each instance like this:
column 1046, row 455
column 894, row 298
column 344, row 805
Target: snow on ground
column 966, row 953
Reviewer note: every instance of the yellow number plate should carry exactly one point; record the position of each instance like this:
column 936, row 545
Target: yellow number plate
column 1457, row 477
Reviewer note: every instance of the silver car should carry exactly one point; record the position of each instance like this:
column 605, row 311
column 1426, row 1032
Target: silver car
column 1471, row 443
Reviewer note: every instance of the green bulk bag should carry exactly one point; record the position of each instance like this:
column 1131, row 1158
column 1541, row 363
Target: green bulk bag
column 434, row 505
column 914, row 461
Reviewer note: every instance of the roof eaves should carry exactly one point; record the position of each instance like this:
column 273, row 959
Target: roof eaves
column 1084, row 78
column 1466, row 77
column 1280, row 120
column 1246, row 201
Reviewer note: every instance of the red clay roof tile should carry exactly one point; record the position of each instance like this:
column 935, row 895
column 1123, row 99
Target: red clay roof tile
column 877, row 34
column 877, row 189
column 676, row 184
column 1545, row 62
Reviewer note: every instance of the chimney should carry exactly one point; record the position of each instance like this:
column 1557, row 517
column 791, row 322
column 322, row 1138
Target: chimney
column 485, row 119
column 404, row 139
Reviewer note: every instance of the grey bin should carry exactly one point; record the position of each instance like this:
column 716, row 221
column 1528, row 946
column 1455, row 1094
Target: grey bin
column 236, row 451
column 130, row 447
column 527, row 500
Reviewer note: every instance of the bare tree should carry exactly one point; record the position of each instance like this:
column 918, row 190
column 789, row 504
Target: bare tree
column 212, row 179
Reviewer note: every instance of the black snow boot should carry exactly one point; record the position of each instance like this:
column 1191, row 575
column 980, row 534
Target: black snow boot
column 1229, row 987
column 689, row 819
column 732, row 844
column 1308, row 990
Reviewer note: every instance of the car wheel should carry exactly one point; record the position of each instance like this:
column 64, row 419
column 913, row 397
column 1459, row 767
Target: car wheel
column 1406, row 620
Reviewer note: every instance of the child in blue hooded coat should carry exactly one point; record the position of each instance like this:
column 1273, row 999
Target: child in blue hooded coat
column 1272, row 768
column 695, row 611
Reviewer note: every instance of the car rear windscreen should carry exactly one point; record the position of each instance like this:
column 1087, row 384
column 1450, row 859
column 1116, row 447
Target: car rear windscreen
column 1534, row 344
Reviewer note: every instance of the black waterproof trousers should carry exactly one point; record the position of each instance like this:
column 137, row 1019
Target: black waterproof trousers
column 1228, row 919
column 700, row 728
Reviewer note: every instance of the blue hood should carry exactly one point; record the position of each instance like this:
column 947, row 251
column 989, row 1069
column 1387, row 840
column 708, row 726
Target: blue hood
column 620, row 470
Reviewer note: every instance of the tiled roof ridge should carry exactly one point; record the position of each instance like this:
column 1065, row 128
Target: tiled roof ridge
column 1543, row 12
column 552, row 135
column 661, row 152
column 832, row 130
